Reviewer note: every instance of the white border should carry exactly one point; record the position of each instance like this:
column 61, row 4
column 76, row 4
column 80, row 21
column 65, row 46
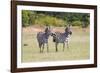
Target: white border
column 56, row 63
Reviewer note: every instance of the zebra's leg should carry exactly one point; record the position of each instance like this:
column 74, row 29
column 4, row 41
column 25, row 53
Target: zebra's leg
column 43, row 47
column 40, row 46
column 40, row 50
column 56, row 46
column 47, row 48
column 63, row 46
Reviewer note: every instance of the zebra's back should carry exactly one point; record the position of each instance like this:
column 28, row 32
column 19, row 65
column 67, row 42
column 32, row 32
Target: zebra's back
column 59, row 37
column 41, row 37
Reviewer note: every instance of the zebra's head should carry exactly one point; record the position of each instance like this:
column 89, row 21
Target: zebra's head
column 48, row 31
column 54, row 37
column 68, row 30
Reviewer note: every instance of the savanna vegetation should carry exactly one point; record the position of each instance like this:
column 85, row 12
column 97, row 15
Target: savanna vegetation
column 79, row 46
column 79, row 41
column 54, row 18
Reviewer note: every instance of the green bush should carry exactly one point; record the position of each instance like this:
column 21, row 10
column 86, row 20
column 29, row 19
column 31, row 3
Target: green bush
column 76, row 23
column 50, row 21
column 43, row 18
column 25, row 18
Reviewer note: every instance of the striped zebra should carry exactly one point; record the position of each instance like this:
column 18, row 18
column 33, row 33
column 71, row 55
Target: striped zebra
column 59, row 37
column 42, row 38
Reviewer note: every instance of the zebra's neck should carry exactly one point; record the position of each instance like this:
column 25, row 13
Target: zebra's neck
column 66, row 34
column 46, row 35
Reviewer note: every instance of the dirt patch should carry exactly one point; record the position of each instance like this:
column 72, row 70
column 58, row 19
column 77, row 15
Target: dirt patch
column 53, row 29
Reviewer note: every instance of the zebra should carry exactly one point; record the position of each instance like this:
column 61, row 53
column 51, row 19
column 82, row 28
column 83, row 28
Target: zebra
column 59, row 37
column 42, row 38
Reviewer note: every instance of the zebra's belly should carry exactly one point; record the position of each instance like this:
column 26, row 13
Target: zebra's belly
column 61, row 41
column 43, row 41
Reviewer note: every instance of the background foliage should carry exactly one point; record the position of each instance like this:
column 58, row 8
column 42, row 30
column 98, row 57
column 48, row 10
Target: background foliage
column 42, row 18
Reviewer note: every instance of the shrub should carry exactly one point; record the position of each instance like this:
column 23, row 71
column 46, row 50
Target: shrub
column 25, row 18
column 50, row 21
column 76, row 23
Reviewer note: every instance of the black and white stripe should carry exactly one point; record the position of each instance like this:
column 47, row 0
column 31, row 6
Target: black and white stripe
column 42, row 38
column 59, row 37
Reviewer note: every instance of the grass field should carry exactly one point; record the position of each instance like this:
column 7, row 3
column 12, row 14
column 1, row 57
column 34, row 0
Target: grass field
column 79, row 46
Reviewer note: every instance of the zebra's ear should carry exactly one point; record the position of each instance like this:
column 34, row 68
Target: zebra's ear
column 48, row 27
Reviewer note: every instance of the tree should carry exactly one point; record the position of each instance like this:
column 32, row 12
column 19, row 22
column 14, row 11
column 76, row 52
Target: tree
column 30, row 17
column 85, row 20
column 25, row 18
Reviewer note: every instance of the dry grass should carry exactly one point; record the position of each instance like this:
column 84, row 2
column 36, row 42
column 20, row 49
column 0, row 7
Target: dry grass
column 79, row 46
